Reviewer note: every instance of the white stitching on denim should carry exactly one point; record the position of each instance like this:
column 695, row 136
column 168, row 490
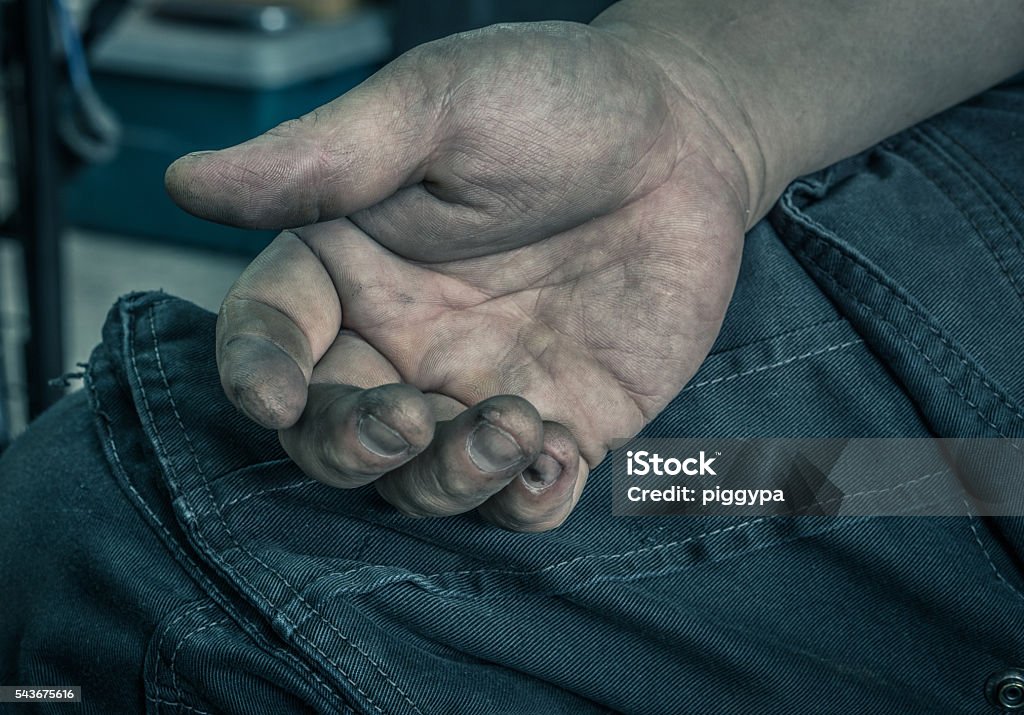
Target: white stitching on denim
column 762, row 368
column 906, row 338
column 294, row 590
column 162, row 448
column 117, row 460
column 269, row 569
column 953, row 197
column 610, row 557
column 174, row 656
column 250, row 495
column 990, row 173
column 166, row 629
column 871, row 492
column 923, row 318
column 983, row 167
column 672, row 544
column 971, row 519
column 774, row 337
column 112, row 445
column 635, row 552
column 190, row 708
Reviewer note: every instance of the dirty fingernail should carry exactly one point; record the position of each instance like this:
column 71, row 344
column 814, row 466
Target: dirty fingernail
column 263, row 381
column 379, row 438
column 492, row 449
column 542, row 473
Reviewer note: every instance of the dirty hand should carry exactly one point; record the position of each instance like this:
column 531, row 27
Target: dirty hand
column 505, row 250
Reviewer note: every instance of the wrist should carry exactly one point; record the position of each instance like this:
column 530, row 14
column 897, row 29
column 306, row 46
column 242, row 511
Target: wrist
column 758, row 168
column 798, row 86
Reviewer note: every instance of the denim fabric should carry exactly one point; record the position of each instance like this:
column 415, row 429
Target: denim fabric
column 160, row 551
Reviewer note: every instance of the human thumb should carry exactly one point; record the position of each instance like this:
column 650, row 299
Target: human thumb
column 344, row 156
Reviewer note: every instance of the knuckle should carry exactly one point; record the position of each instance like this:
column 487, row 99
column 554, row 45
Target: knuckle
column 416, row 500
column 340, row 474
column 457, row 488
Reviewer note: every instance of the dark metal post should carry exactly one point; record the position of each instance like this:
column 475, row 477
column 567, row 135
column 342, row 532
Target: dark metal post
column 39, row 209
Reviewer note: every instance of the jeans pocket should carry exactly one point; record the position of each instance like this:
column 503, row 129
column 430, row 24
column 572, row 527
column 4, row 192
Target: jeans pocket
column 379, row 604
column 918, row 250
column 200, row 662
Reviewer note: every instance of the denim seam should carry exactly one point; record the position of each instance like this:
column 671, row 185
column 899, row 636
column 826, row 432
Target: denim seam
column 989, row 173
column 914, row 310
column 706, row 383
column 179, row 706
column 609, row 557
column 871, row 492
column 162, row 448
column 677, row 568
column 268, row 490
column 852, row 261
column 578, row 559
column 906, row 338
column 925, row 320
column 255, row 465
column 203, row 476
column 972, row 521
column 154, row 520
column 762, row 368
column 920, row 351
column 776, row 336
column 167, row 628
column 946, row 189
column 922, row 136
column 230, row 533
column 109, row 439
column 174, row 656
column 419, row 579
column 171, row 666
column 208, row 585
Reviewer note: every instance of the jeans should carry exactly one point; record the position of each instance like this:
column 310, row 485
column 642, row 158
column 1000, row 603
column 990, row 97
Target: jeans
column 162, row 552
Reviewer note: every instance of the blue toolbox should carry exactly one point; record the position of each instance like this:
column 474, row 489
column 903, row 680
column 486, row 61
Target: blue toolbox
column 178, row 87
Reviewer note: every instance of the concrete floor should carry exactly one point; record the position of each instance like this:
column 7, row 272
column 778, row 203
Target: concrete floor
column 99, row 268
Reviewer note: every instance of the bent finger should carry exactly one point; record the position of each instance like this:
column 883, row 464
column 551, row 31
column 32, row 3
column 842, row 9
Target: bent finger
column 275, row 323
column 348, row 437
column 545, row 493
column 473, row 456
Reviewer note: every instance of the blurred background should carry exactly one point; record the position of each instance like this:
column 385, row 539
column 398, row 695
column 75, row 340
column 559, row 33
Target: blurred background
column 97, row 97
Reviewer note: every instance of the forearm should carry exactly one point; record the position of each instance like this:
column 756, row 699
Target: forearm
column 804, row 83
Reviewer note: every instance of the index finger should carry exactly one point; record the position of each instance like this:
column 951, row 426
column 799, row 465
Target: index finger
column 277, row 321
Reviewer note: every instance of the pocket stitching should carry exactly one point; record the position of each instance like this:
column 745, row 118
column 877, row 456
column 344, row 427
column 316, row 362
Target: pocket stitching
column 972, row 519
column 423, row 581
column 805, row 232
column 940, row 184
column 920, row 351
column 205, row 481
column 770, row 366
column 1019, row 241
column 172, row 664
column 202, row 606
